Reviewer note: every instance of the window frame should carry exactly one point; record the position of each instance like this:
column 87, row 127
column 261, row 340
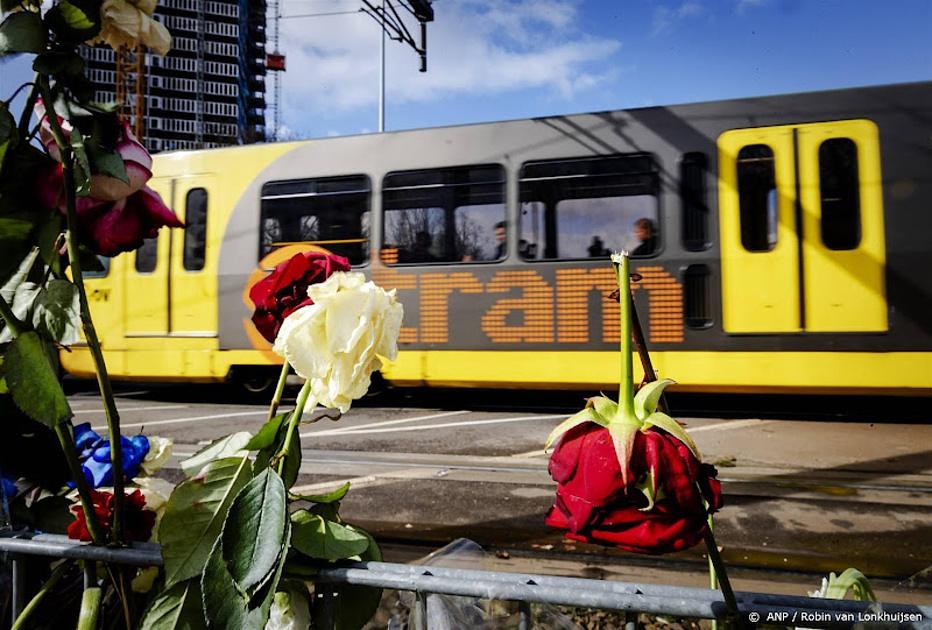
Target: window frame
column 702, row 203
column 656, row 186
column 368, row 193
column 187, row 219
column 855, row 188
column 502, row 168
column 774, row 190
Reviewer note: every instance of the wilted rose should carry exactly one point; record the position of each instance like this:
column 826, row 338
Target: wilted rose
column 136, row 160
column 137, row 521
column 284, row 291
column 129, row 23
column 336, row 342
column 658, row 510
column 627, row 474
column 117, row 216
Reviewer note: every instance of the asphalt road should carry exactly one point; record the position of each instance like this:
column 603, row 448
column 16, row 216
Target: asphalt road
column 803, row 496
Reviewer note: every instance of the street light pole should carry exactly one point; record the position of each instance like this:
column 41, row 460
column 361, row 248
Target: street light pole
column 382, row 78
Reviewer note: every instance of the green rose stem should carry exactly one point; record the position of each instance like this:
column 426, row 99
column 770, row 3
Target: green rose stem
column 90, row 609
column 626, row 410
column 37, row 599
column 293, row 423
column 66, row 440
column 626, row 387
column 279, row 390
column 90, row 333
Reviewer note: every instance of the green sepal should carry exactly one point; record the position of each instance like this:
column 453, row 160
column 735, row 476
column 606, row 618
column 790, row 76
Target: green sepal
column 590, row 413
column 850, row 579
column 623, row 432
column 663, row 421
column 647, row 398
column 648, row 486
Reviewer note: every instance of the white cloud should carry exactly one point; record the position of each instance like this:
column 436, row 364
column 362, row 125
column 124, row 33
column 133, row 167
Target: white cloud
column 665, row 18
column 474, row 47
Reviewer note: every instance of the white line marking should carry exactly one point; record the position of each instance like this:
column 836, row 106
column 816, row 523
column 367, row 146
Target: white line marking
column 128, row 409
column 729, row 424
column 192, row 419
column 350, row 429
column 443, row 425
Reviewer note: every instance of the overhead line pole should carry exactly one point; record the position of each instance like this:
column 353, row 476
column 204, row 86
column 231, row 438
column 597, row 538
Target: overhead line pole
column 382, row 78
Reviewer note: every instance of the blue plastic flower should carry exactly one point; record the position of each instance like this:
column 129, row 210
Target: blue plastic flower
column 9, row 487
column 94, row 453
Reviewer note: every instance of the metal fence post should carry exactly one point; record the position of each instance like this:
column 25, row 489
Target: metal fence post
column 524, row 615
column 420, row 610
column 19, row 585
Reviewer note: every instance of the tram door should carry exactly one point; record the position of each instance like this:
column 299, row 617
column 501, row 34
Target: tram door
column 801, row 222
column 169, row 285
column 145, row 286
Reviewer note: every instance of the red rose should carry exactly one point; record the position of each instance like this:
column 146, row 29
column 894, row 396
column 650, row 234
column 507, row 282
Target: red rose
column 284, row 290
column 137, row 521
column 595, row 504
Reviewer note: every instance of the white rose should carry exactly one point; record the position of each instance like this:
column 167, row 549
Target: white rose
column 336, row 342
column 160, row 449
column 129, row 23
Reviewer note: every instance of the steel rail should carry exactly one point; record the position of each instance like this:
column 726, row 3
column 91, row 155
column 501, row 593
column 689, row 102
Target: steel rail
column 430, row 581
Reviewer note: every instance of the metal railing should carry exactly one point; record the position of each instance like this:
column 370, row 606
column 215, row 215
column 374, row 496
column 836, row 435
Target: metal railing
column 428, row 581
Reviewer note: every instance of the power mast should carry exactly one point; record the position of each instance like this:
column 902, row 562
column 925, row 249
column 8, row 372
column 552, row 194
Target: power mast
column 394, row 26
column 130, row 95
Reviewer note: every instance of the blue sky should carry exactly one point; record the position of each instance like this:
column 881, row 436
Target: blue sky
column 501, row 59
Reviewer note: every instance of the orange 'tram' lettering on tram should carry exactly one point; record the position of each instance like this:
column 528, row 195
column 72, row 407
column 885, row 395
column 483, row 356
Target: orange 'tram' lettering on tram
column 531, row 310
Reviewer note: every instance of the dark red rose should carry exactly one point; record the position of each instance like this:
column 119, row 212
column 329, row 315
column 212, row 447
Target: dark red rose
column 284, row 290
column 595, row 505
column 137, row 521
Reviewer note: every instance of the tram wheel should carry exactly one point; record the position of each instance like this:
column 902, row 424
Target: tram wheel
column 255, row 382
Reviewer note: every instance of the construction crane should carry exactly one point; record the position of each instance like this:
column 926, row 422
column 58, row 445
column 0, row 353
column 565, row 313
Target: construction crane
column 130, row 81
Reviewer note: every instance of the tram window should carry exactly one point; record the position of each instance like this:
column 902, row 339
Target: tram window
column 147, row 255
column 329, row 212
column 100, row 271
column 757, row 194
column 693, row 197
column 589, row 207
column 195, row 232
column 697, row 297
column 838, row 185
column 444, row 215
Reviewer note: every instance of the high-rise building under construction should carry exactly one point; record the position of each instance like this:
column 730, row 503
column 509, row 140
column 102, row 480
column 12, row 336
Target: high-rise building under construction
column 209, row 90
